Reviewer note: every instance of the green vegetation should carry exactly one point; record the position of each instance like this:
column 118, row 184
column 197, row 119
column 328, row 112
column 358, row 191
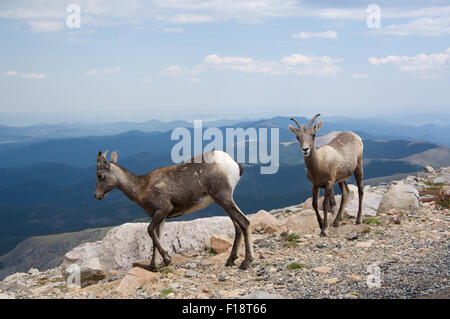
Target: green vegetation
column 167, row 291
column 165, row 271
column 295, row 265
column 442, row 200
column 291, row 240
column 371, row 221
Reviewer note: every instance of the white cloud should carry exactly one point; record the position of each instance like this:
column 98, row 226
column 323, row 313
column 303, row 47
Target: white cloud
column 104, row 71
column 423, row 27
column 360, row 76
column 194, row 80
column 186, row 18
column 423, row 65
column 173, row 30
column 295, row 64
column 25, row 75
column 39, row 26
column 48, row 15
column 176, row 70
column 310, row 35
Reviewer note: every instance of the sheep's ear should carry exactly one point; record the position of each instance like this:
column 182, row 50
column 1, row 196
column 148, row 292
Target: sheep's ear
column 99, row 156
column 114, row 157
column 318, row 125
column 292, row 129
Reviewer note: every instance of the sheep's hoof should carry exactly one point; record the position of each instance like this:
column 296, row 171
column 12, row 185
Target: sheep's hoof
column 230, row 261
column 245, row 264
column 336, row 224
column 358, row 222
column 323, row 234
column 167, row 260
column 152, row 268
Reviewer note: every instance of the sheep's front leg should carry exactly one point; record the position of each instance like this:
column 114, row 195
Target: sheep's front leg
column 315, row 198
column 157, row 219
column 328, row 190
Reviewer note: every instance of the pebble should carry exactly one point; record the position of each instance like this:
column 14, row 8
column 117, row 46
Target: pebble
column 190, row 273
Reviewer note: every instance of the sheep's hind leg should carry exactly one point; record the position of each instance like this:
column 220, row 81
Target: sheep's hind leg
column 344, row 198
column 152, row 266
column 237, row 242
column 225, row 200
column 359, row 182
column 157, row 219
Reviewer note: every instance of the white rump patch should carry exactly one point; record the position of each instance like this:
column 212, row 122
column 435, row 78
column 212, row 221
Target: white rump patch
column 228, row 166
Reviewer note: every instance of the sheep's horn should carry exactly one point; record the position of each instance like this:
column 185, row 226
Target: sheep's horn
column 313, row 119
column 104, row 154
column 292, row 119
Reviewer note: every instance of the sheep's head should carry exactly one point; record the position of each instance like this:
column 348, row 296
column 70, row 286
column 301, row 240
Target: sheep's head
column 106, row 179
column 306, row 134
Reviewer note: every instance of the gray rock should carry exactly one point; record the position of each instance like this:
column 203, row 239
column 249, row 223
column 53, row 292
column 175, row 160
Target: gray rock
column 190, row 273
column 399, row 196
column 263, row 295
column 444, row 179
column 130, row 242
column 33, row 271
column 371, row 201
column 429, row 169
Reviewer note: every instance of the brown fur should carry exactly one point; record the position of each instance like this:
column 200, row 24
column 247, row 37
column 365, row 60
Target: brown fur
column 174, row 191
column 329, row 164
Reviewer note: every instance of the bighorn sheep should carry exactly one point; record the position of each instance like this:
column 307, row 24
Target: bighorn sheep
column 329, row 164
column 178, row 190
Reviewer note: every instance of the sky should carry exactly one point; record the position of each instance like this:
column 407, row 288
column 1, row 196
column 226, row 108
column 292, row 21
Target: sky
column 189, row 59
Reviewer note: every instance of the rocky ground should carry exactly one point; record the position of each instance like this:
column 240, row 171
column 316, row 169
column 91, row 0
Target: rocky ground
column 397, row 254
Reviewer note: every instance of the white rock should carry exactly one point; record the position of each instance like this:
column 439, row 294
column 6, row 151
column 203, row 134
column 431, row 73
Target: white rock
column 130, row 242
column 33, row 271
column 429, row 169
column 399, row 196
column 304, row 222
column 371, row 201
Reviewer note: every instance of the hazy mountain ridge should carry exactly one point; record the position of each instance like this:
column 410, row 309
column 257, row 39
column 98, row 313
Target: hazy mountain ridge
column 47, row 187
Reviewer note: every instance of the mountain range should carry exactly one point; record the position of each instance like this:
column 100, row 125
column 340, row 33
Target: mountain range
column 47, row 183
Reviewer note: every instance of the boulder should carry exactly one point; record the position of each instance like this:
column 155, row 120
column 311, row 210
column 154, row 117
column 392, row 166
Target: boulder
column 87, row 272
column 443, row 179
column 267, row 221
column 130, row 242
column 135, row 278
column 429, row 169
column 220, row 243
column 399, row 196
column 371, row 200
column 17, row 277
column 304, row 222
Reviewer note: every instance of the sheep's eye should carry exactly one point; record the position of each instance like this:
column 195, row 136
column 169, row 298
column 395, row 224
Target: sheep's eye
column 314, row 135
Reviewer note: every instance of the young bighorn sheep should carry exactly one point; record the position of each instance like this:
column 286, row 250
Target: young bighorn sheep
column 329, row 164
column 178, row 190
